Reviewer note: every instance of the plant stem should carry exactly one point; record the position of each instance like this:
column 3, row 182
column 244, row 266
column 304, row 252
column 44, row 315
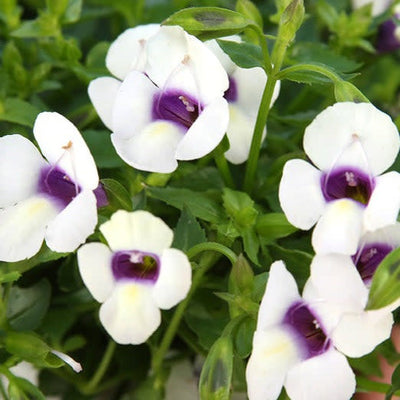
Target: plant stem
column 223, row 168
column 214, row 246
column 102, row 369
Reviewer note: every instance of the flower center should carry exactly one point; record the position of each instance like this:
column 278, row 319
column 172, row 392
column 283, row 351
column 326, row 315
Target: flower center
column 368, row 260
column 307, row 329
column 231, row 94
column 136, row 265
column 347, row 183
column 176, row 107
column 55, row 183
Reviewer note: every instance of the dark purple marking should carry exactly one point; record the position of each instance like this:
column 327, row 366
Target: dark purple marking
column 177, row 107
column 55, row 183
column 347, row 183
column 307, row 329
column 386, row 40
column 231, row 94
column 368, row 259
column 135, row 265
column 101, row 196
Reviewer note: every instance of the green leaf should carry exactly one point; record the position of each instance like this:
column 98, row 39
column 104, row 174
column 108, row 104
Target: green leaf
column 216, row 374
column 273, row 226
column 346, row 91
column 9, row 277
column 46, row 25
column 241, row 277
column 27, row 307
column 118, row 197
column 57, row 7
column 243, row 54
column 203, row 205
column 209, row 22
column 251, row 243
column 18, row 111
column 250, row 11
column 385, row 286
column 188, row 231
column 28, row 389
column 243, row 337
column 73, row 12
column 395, row 383
column 26, row 345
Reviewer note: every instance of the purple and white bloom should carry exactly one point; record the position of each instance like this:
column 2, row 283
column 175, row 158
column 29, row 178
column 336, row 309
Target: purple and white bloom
column 246, row 86
column 378, row 6
column 48, row 199
column 340, row 297
column 346, row 195
column 388, row 38
column 169, row 105
column 292, row 347
column 135, row 276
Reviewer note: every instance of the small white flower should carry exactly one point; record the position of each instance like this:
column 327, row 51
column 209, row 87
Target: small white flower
column 246, row 86
column 169, row 105
column 292, row 347
column 135, row 276
column 378, row 6
column 351, row 144
column 51, row 200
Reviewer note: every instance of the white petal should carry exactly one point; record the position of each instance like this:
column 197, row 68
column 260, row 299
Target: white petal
column 358, row 334
column 138, row 230
column 383, row 206
column 274, row 352
column 334, row 288
column 154, row 149
column 240, row 134
column 130, row 315
column 22, row 228
column 389, row 234
column 339, row 229
column 174, row 280
column 206, row 132
column 62, row 145
column 223, row 58
column 281, row 292
column 327, row 377
column 102, row 93
column 133, row 105
column 127, row 53
column 74, row 224
column 335, row 128
column 94, row 261
column 300, row 194
column 20, row 165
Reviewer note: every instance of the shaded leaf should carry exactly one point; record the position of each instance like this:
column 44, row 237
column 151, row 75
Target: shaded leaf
column 245, row 55
column 188, row 231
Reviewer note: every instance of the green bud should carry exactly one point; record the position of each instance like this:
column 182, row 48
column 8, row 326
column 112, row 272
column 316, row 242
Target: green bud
column 291, row 20
column 346, row 91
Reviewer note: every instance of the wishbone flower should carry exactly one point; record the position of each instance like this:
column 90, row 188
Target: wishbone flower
column 51, row 200
column 246, row 86
column 169, row 106
column 135, row 276
column 351, row 144
column 292, row 347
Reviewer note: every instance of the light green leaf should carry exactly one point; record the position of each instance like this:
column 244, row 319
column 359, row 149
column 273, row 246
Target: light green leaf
column 346, row 91
column 250, row 11
column 18, row 111
column 273, row 226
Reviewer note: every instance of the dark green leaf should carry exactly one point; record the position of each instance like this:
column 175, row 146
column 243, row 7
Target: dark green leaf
column 188, row 231
column 385, row 286
column 243, row 337
column 27, row 307
column 243, row 54
column 395, row 383
column 117, row 195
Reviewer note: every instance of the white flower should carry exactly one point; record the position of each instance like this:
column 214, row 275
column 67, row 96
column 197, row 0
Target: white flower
column 340, row 298
column 169, row 105
column 378, row 6
column 351, row 144
column 51, row 200
column 135, row 275
column 246, row 86
column 291, row 347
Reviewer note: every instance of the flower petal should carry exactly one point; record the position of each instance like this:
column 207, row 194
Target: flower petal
column 206, row 132
column 94, row 261
column 339, row 229
column 174, row 281
column 130, row 315
column 138, row 230
column 62, row 145
column 383, row 206
column 300, row 194
column 153, row 150
column 22, row 228
column 281, row 292
column 389, row 234
column 127, row 53
column 72, row 226
column 358, row 334
column 20, row 165
column 327, row 377
column 102, row 93
column 335, row 128
column 133, row 105
column 274, row 352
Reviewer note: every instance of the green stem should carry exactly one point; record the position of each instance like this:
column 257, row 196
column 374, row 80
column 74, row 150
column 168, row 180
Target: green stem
column 264, row 47
column 214, row 246
column 101, row 370
column 223, row 168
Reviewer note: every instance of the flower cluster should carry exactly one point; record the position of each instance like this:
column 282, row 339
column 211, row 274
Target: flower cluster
column 301, row 343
